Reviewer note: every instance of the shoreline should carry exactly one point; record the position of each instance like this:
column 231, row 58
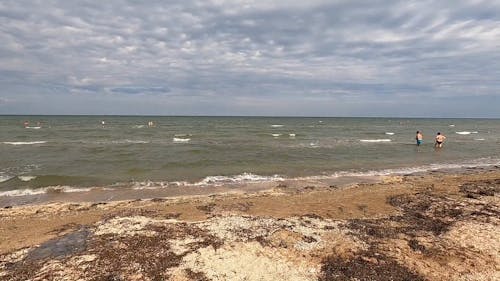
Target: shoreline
column 217, row 185
column 435, row 225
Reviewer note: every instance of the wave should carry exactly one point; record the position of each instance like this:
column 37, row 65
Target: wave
column 275, row 135
column 26, row 178
column 23, row 142
column 35, row 128
column 135, row 141
column 245, row 178
column 376, row 140
column 477, row 163
column 181, row 140
column 44, row 190
column 277, row 125
column 291, row 135
column 242, row 178
column 5, row 178
column 389, row 133
column 466, row 132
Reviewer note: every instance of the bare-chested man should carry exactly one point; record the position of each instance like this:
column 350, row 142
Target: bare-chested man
column 439, row 140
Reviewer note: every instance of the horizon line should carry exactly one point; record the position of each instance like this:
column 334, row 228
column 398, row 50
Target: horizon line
column 247, row 116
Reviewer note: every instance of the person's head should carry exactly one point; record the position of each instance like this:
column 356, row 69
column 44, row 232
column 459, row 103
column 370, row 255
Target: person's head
column 418, row 132
column 439, row 133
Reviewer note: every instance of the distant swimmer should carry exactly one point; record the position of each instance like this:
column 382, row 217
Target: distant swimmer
column 103, row 123
column 151, row 124
column 439, row 140
column 26, row 124
column 419, row 138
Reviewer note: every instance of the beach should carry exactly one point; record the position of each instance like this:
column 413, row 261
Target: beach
column 436, row 225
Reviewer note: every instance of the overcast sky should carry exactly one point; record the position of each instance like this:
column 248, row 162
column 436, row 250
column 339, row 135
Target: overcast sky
column 244, row 57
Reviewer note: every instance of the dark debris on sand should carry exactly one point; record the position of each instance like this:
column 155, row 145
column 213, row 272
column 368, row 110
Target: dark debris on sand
column 367, row 266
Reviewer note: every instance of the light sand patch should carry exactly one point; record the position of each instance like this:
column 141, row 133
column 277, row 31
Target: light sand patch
column 128, row 226
column 245, row 261
column 477, row 236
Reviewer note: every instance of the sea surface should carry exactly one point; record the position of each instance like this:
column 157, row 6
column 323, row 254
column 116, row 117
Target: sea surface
column 74, row 153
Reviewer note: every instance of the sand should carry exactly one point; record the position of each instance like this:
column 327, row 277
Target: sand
column 434, row 226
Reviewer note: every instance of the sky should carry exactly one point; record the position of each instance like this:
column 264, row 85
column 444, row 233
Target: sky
column 251, row 57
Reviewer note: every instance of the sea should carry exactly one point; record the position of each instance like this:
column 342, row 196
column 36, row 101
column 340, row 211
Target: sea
column 59, row 155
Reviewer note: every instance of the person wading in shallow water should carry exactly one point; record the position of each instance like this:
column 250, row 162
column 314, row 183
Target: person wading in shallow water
column 439, row 140
column 419, row 138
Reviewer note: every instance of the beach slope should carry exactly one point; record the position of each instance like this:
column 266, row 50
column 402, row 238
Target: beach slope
column 434, row 226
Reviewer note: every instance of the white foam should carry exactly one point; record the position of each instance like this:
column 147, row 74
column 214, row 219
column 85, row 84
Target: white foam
column 35, row 128
column 135, row 141
column 277, row 125
column 477, row 163
column 276, row 135
column 291, row 135
column 242, row 178
column 23, row 142
column 125, row 141
column 181, row 140
column 463, row 133
column 389, row 133
column 451, row 125
column 138, row 126
column 55, row 189
column 473, row 132
column 5, row 178
column 479, row 139
column 26, row 178
column 376, row 140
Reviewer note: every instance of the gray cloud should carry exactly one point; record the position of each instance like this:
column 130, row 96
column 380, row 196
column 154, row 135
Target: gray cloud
column 247, row 57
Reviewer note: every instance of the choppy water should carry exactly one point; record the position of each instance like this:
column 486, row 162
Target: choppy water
column 78, row 152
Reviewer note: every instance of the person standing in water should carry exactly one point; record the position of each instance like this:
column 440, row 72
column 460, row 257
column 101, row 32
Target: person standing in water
column 439, row 140
column 419, row 138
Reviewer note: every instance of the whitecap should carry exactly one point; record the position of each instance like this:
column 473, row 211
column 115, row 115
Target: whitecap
column 35, row 128
column 474, row 132
column 277, row 125
column 451, row 125
column 479, row 139
column 5, row 178
column 463, row 133
column 135, row 141
column 291, row 135
column 26, row 178
column 276, row 135
column 53, row 189
column 23, row 142
column 242, row 178
column 389, row 133
column 138, row 126
column 181, row 140
column 376, row 140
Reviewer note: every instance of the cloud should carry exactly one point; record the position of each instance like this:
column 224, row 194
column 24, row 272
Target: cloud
column 141, row 90
column 270, row 52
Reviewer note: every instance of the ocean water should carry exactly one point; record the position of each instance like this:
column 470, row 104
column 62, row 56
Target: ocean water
column 78, row 152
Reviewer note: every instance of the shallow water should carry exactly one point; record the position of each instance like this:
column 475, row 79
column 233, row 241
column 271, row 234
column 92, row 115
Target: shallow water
column 78, row 152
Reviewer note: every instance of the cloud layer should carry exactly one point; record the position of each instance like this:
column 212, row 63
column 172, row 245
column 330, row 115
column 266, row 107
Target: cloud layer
column 244, row 57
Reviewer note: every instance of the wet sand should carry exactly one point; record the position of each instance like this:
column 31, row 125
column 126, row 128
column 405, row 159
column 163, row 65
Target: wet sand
column 434, row 226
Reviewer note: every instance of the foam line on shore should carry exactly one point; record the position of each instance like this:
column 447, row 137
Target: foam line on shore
column 246, row 178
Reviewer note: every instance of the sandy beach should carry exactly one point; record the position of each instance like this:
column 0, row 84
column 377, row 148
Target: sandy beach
column 432, row 226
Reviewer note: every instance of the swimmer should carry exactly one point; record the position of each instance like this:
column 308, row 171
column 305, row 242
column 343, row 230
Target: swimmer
column 439, row 140
column 419, row 138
